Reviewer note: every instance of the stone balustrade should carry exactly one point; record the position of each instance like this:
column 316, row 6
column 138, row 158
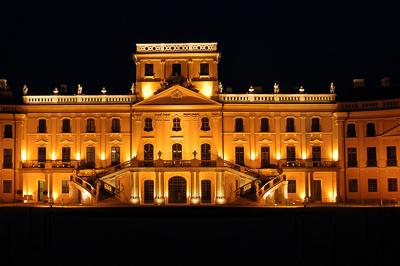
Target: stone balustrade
column 78, row 99
column 175, row 47
column 277, row 98
column 369, row 105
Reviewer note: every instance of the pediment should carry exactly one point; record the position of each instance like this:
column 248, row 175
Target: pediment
column 177, row 95
column 41, row 142
column 265, row 141
column 239, row 141
column 90, row 141
column 66, row 142
column 316, row 141
column 290, row 141
column 116, row 142
column 395, row 131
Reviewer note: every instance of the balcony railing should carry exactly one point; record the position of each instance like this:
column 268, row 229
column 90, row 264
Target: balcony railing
column 33, row 164
column 49, row 164
column 308, row 163
column 277, row 98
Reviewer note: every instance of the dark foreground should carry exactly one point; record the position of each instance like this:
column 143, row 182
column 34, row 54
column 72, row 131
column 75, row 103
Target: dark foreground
column 199, row 236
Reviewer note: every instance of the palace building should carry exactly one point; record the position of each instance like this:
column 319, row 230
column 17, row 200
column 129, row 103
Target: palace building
column 177, row 137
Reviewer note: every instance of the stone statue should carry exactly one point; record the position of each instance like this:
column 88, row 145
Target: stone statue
column 301, row 90
column 25, row 90
column 332, row 88
column 133, row 89
column 79, row 91
column 276, row 87
column 55, row 91
column 220, row 88
column 251, row 89
column 103, row 90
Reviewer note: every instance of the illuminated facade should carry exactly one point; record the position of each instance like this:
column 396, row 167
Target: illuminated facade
column 178, row 138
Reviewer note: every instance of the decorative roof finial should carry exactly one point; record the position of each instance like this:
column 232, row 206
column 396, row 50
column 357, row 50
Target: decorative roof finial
column 103, row 90
column 332, row 88
column 220, row 87
column 276, row 87
column 55, row 91
column 25, row 90
column 301, row 90
column 79, row 90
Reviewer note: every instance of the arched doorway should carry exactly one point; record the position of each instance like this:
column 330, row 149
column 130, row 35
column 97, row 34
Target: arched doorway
column 177, row 190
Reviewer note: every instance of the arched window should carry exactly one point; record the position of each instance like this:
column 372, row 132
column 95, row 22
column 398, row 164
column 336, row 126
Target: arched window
column 148, row 191
column 148, row 124
column 90, row 126
column 176, row 152
column 115, row 125
column 176, row 124
column 239, row 125
column 177, row 190
column 351, row 130
column 205, row 191
column 371, row 130
column 315, row 124
column 205, row 154
column 205, row 124
column 66, row 125
column 148, row 152
column 264, row 125
column 290, row 124
column 8, row 131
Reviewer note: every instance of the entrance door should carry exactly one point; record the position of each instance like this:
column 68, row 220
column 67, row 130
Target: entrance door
column 316, row 195
column 40, row 190
column 177, row 190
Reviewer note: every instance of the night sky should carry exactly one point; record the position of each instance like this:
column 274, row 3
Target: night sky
column 310, row 43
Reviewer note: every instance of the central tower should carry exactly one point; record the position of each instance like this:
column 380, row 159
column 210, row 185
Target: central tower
column 161, row 65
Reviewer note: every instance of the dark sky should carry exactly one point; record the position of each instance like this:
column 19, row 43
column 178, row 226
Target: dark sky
column 309, row 43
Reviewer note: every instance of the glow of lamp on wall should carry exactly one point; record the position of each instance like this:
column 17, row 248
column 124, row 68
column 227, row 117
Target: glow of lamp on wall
column 78, row 156
column 278, row 155
column 53, row 156
column 23, row 155
column 103, row 156
column 335, row 155
column 207, row 90
column 303, row 155
column 252, row 156
column 146, row 91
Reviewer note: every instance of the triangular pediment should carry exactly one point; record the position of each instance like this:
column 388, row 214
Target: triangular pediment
column 177, row 95
column 395, row 131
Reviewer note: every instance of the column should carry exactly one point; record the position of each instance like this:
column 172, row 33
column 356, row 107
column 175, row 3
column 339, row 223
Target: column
column 303, row 130
column 159, row 187
column 306, row 184
column 220, row 188
column 311, row 187
column 78, row 152
column 277, row 125
column 51, row 186
column 134, row 183
column 103, row 145
column 194, row 181
column 252, row 141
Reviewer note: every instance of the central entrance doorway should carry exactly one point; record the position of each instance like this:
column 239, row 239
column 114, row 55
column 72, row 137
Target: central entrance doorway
column 177, row 190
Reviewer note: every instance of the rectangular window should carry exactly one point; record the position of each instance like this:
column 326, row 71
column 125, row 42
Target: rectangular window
column 315, row 124
column 176, row 70
column 371, row 156
column 66, row 154
column 41, row 154
column 264, row 125
column 239, row 155
column 353, row 185
column 115, row 126
column 352, row 157
column 7, row 186
column 90, row 126
column 351, row 130
column 148, row 70
column 316, row 156
column 290, row 125
column 90, row 157
column 371, row 130
column 65, row 186
column 204, row 69
column 265, row 157
column 7, row 158
column 66, row 126
column 392, row 184
column 8, row 131
column 290, row 153
column 391, row 158
column 372, row 185
column 42, row 126
column 291, row 188
column 115, row 155
column 239, row 125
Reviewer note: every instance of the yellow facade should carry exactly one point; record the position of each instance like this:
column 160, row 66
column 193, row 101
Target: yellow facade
column 196, row 141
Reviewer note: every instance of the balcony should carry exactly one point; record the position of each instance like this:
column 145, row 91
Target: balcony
column 309, row 163
column 49, row 164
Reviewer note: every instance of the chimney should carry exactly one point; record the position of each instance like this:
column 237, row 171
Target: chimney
column 385, row 82
column 358, row 83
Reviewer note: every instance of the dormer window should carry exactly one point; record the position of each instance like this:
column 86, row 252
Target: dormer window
column 204, row 69
column 148, row 70
column 176, row 124
column 176, row 70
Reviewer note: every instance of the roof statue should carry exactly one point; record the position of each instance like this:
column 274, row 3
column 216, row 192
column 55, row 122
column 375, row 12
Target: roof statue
column 103, row 90
column 133, row 88
column 55, row 91
column 79, row 90
column 25, row 90
column 301, row 90
column 251, row 89
column 276, row 87
column 220, row 87
column 332, row 88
